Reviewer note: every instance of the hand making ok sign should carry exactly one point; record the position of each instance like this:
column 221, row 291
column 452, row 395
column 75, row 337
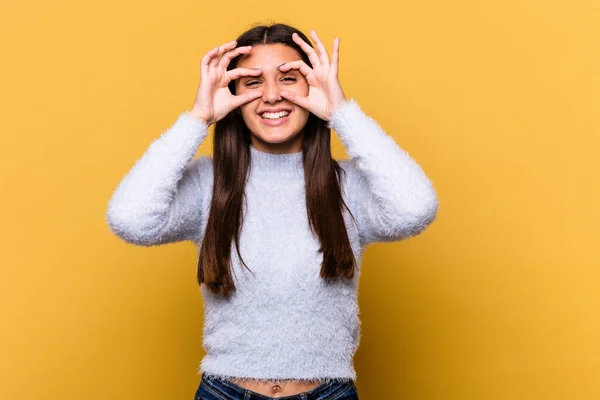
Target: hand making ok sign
column 325, row 93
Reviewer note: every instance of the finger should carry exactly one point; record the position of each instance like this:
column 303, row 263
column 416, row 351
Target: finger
column 298, row 64
column 324, row 56
column 239, row 72
column 296, row 99
column 206, row 59
column 222, row 49
column 335, row 55
column 245, row 98
column 231, row 54
column 312, row 54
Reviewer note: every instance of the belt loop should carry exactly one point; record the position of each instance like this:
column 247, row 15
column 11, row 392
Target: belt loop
column 247, row 395
column 303, row 396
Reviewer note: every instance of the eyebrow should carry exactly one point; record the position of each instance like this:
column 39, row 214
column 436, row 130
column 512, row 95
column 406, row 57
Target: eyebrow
column 291, row 71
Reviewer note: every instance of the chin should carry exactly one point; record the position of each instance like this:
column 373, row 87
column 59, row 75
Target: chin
column 275, row 137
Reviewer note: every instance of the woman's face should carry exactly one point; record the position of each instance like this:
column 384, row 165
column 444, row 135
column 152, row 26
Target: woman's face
column 270, row 133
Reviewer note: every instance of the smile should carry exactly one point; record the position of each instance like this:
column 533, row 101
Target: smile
column 277, row 115
column 275, row 119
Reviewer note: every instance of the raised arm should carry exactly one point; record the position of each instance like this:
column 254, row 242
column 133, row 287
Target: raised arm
column 164, row 196
column 160, row 198
column 389, row 192
column 390, row 196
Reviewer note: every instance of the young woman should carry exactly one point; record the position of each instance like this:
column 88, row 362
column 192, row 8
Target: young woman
column 279, row 224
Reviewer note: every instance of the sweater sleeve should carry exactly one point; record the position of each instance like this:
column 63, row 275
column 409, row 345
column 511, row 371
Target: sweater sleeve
column 390, row 196
column 160, row 199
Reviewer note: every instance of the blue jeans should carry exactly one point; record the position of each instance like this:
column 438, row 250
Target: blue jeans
column 218, row 389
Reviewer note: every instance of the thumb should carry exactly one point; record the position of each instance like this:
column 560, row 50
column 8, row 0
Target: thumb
column 296, row 99
column 245, row 98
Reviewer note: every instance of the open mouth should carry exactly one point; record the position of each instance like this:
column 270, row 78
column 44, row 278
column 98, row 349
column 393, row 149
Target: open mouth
column 275, row 118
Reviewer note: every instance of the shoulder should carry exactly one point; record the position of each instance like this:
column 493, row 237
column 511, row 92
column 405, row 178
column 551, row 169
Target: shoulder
column 346, row 163
column 200, row 171
column 350, row 175
column 351, row 171
column 201, row 166
column 204, row 162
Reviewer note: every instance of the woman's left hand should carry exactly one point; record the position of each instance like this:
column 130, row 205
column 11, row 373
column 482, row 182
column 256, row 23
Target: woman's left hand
column 325, row 93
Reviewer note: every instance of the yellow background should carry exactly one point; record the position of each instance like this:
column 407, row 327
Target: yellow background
column 497, row 100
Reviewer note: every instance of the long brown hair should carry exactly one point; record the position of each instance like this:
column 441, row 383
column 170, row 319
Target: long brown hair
column 231, row 162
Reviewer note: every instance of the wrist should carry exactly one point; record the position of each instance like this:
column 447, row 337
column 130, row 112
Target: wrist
column 336, row 106
column 197, row 114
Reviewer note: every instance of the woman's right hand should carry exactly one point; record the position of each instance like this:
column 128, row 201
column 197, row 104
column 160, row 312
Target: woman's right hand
column 214, row 100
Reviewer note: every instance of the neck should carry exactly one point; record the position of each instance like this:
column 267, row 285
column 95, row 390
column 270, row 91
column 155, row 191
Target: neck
column 284, row 165
column 293, row 145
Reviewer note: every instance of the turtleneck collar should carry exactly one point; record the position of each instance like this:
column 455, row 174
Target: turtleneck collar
column 286, row 165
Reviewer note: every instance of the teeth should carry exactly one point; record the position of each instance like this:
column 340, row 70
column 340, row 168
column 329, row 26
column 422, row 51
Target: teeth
column 281, row 114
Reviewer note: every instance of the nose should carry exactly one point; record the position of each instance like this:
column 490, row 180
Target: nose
column 271, row 93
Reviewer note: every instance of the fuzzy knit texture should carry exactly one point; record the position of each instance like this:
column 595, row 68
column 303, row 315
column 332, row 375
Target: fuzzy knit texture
column 284, row 322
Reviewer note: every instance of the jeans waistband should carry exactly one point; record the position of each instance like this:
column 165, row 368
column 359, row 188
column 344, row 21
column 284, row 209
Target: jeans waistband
column 229, row 390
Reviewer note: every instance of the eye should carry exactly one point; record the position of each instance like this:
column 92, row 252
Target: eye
column 287, row 78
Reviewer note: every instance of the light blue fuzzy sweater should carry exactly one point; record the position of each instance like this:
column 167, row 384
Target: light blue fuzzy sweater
column 284, row 322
